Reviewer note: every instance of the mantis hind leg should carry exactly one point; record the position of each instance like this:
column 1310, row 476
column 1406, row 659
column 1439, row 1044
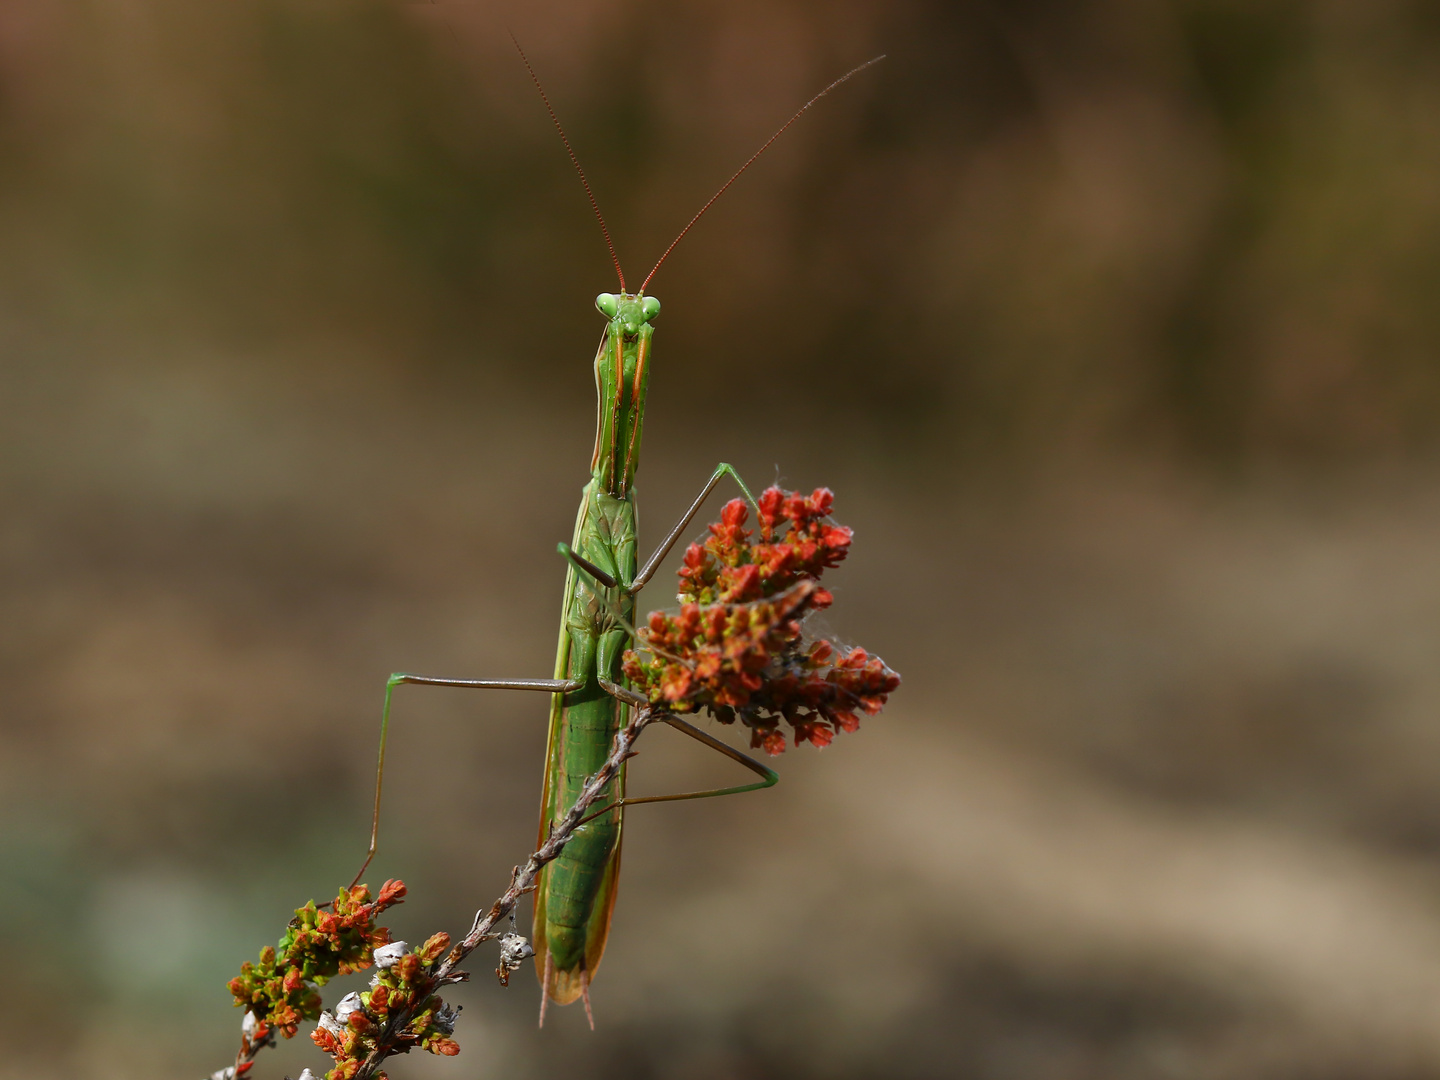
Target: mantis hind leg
column 549, row 686
column 768, row 776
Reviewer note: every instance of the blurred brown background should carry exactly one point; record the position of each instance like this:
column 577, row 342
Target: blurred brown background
column 1112, row 323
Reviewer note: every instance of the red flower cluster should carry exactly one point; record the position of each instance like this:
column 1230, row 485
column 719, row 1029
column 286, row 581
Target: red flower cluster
column 795, row 544
column 356, row 1031
column 737, row 648
column 281, row 990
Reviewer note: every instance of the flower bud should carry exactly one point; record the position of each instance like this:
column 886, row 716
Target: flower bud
column 348, row 1004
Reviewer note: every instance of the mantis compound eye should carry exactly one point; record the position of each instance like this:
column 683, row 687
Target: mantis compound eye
column 608, row 304
column 651, row 307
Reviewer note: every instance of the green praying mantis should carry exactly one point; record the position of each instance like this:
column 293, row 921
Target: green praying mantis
column 575, row 895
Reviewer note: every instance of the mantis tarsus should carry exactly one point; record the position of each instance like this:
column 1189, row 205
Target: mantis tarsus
column 576, row 894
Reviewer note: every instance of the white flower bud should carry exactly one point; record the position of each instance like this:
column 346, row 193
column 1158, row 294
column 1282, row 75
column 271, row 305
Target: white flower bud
column 327, row 1021
column 248, row 1024
column 386, row 955
column 348, row 1004
column 305, row 1074
column 227, row 1073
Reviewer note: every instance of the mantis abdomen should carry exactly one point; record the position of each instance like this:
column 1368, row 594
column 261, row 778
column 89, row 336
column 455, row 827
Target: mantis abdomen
column 577, row 893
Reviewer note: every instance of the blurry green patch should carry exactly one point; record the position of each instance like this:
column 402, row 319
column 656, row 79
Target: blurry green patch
column 157, row 932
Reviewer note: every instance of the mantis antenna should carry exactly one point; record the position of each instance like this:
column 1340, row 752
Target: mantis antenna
column 594, row 205
column 752, row 160
column 576, row 161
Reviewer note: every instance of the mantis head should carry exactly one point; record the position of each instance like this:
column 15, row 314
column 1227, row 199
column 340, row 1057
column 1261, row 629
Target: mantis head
column 627, row 313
